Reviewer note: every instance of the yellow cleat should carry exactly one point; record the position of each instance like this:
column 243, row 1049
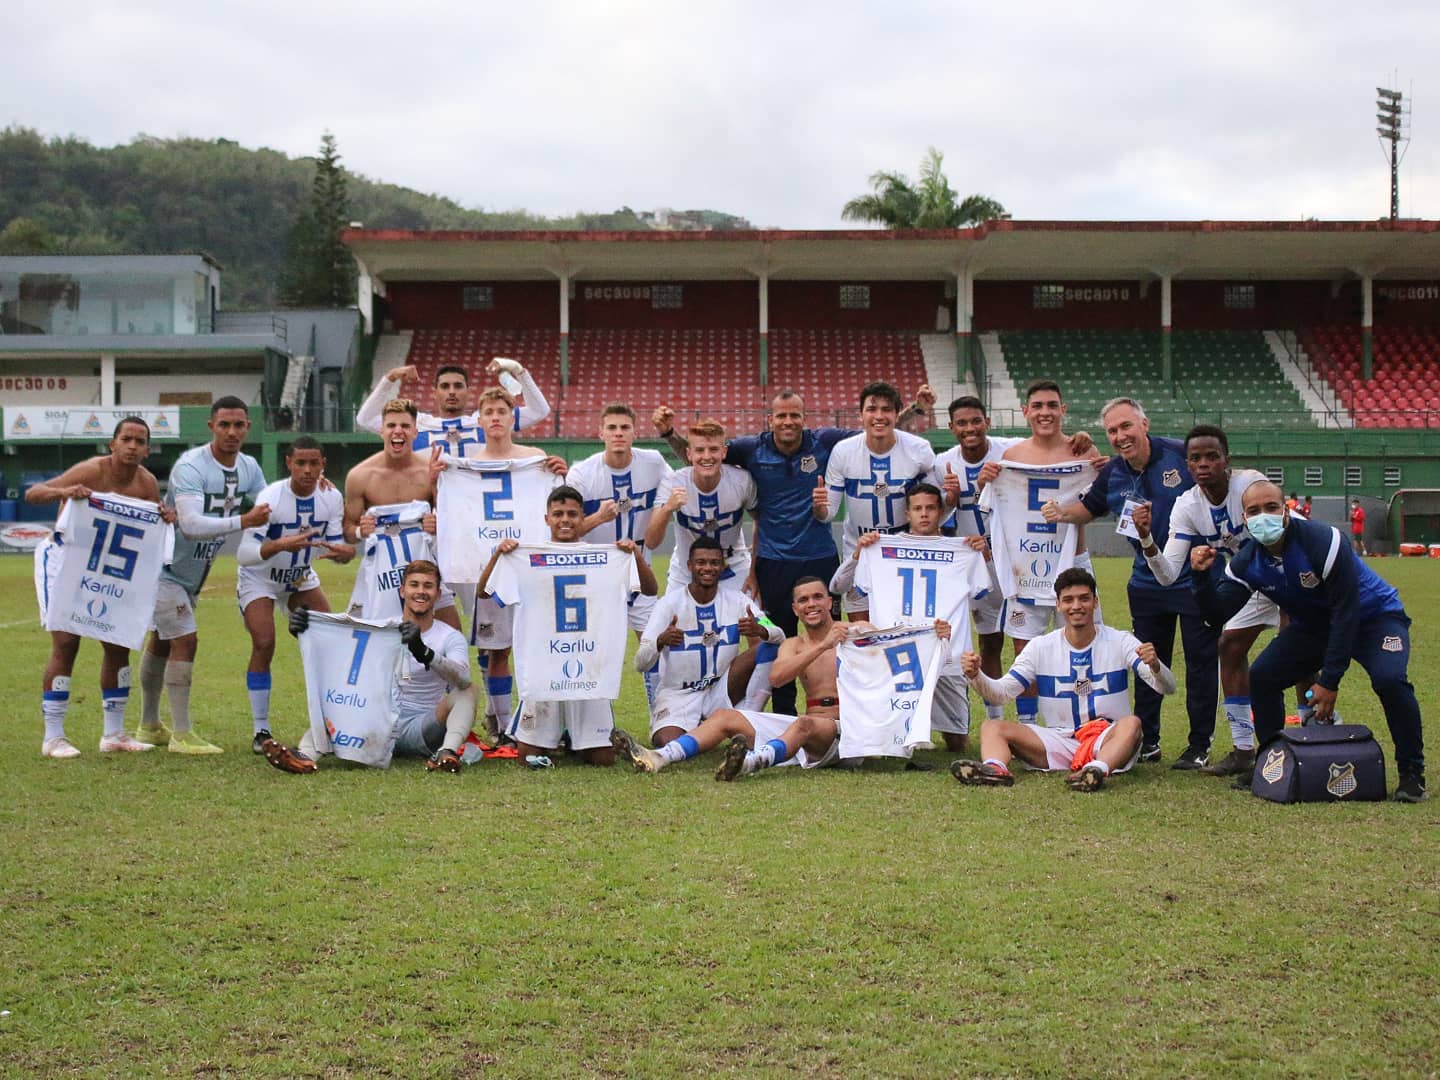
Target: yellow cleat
column 187, row 742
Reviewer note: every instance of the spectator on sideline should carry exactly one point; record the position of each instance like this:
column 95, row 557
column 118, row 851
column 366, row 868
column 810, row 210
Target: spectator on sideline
column 1357, row 528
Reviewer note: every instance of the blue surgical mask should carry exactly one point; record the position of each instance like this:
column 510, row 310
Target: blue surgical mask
column 1266, row 528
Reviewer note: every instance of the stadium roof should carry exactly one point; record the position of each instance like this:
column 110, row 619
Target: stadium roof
column 1014, row 250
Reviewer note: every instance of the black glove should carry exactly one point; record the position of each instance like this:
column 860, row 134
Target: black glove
column 410, row 635
column 299, row 621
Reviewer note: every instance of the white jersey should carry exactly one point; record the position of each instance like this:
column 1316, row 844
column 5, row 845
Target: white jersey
column 323, row 509
column 1195, row 520
column 1076, row 686
column 717, row 513
column 1029, row 551
column 112, row 549
column 886, row 682
column 218, row 491
column 633, row 490
column 422, row 688
column 712, row 637
column 914, row 580
column 351, row 686
column 397, row 540
column 462, row 436
column 571, row 617
column 873, row 485
column 969, row 518
column 480, row 503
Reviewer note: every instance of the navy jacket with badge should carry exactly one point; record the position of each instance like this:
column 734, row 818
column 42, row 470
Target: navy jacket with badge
column 1317, row 580
column 1162, row 481
column 785, row 488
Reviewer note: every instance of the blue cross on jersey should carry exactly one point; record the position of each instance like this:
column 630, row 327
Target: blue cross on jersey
column 629, row 504
column 1083, row 686
column 304, row 519
column 881, row 493
column 454, row 436
column 1225, row 529
column 706, row 640
column 711, row 520
column 969, row 501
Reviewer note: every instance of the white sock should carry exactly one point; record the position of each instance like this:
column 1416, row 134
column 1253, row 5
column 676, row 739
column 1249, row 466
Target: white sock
column 115, row 702
column 152, row 684
column 461, row 718
column 1242, row 726
column 994, row 712
column 257, row 688
column 54, row 703
column 178, row 674
column 672, row 752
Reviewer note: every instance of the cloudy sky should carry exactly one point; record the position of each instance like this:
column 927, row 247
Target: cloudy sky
column 777, row 111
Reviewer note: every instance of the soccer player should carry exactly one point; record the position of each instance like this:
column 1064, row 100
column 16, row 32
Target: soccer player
column 1151, row 471
column 209, row 488
column 697, row 662
column 870, row 474
column 1357, row 528
column 620, row 486
column 538, row 726
column 437, row 702
column 1210, row 513
column 453, row 429
column 119, row 472
column 276, row 564
column 1340, row 610
column 947, row 597
column 1082, row 671
column 812, row 739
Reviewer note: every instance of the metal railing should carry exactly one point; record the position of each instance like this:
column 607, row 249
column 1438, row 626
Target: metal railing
column 252, row 322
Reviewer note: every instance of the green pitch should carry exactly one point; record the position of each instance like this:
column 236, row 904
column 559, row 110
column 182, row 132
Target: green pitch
column 164, row 915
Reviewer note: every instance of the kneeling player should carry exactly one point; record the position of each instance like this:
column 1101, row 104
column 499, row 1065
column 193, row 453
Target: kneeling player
column 1081, row 673
column 812, row 739
column 437, row 702
column 275, row 564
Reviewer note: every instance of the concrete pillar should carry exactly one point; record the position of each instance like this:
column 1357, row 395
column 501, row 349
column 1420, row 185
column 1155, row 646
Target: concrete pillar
column 1367, row 327
column 564, row 329
column 107, row 380
column 365, row 301
column 764, row 284
column 964, row 321
column 1165, row 372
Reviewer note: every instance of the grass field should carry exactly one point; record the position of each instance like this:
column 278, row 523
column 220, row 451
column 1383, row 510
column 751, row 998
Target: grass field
column 164, row 915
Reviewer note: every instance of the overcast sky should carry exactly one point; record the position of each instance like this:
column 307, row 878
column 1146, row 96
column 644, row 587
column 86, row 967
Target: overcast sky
column 776, row 111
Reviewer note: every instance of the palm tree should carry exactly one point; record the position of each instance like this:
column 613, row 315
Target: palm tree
column 928, row 203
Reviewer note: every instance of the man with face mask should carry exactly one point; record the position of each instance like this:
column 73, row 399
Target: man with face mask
column 1340, row 610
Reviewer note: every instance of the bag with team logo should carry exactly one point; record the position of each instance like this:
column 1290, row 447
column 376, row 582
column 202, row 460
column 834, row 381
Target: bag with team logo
column 1323, row 763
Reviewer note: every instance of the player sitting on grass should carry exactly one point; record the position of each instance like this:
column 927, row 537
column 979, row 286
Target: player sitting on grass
column 813, row 739
column 1086, row 725
column 437, row 701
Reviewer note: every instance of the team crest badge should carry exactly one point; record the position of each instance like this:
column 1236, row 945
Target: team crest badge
column 622, row 504
column 483, row 629
column 1170, row 478
column 708, row 638
column 809, row 464
column 710, row 526
column 1309, row 579
column 881, row 488
column 453, row 436
column 392, row 529
column 1392, row 643
column 1274, row 767
column 1083, row 687
column 1342, row 779
column 1017, row 617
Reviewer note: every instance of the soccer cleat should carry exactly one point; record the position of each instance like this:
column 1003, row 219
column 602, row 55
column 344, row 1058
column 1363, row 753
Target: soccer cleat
column 1411, row 788
column 972, row 772
column 187, row 742
column 156, row 736
column 257, row 744
column 58, row 747
column 1235, row 762
column 641, row 759
column 123, row 743
column 287, row 760
column 1194, row 757
column 443, row 760
column 1150, row 751
column 1089, row 778
column 734, row 764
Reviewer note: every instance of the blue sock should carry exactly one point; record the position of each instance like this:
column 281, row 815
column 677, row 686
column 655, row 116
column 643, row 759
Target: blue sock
column 53, row 706
column 113, row 704
column 500, row 687
column 685, row 746
column 1027, row 709
column 257, row 686
column 1242, row 726
column 772, row 753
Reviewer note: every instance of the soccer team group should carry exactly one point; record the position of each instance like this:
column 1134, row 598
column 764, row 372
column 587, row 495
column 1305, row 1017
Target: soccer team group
column 980, row 542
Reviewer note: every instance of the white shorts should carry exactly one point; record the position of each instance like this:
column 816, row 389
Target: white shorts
column 684, row 709
column 491, row 626
column 251, row 585
column 1260, row 610
column 47, row 569
column 541, row 723
column 174, row 611
column 769, row 726
column 639, row 610
column 950, row 708
column 854, row 601
column 1026, row 622
column 1061, row 747
column 987, row 613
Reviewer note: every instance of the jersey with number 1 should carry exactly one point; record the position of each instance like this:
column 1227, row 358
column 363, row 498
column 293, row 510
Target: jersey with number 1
column 914, row 580
column 322, row 510
column 397, row 540
column 571, row 614
column 719, row 513
column 226, row 490
column 969, row 518
column 633, row 490
column 352, row 668
column 874, row 485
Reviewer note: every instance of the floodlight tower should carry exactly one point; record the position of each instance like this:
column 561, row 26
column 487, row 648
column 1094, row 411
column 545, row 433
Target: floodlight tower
column 1390, row 116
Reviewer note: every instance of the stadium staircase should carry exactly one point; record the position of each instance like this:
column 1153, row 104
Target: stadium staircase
column 1314, row 391
column 1003, row 402
column 1404, row 390
column 1226, row 377
column 938, row 351
column 297, row 384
